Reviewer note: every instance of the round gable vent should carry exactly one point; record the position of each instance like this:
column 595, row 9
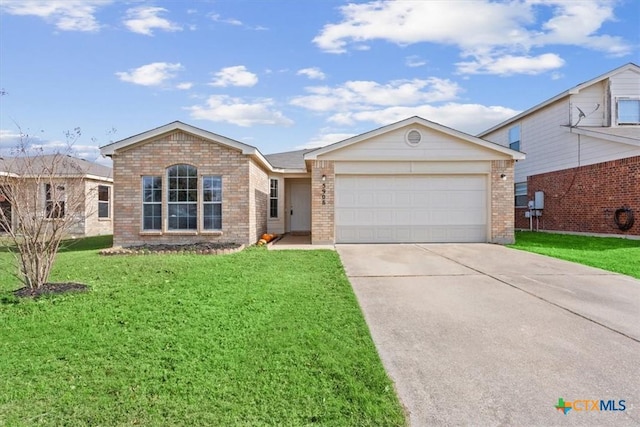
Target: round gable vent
column 413, row 137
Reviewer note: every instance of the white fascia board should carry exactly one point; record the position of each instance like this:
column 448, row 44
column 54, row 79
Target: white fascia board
column 109, row 150
column 516, row 155
column 573, row 91
column 604, row 135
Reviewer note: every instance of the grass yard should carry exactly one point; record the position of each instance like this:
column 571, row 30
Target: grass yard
column 254, row 338
column 608, row 253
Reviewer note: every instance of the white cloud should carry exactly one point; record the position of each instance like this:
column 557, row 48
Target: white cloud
column 223, row 108
column 153, row 74
column 484, row 30
column 469, row 118
column 314, row 73
column 68, row 15
column 184, row 85
column 324, row 139
column 508, row 65
column 234, row 76
column 414, row 61
column 358, row 94
column 231, row 21
column 144, row 19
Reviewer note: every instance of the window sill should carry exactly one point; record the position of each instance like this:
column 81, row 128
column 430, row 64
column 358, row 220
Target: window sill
column 211, row 233
column 151, row 233
column 104, row 219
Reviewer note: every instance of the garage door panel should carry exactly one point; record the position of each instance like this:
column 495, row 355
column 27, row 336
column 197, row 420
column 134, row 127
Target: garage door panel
column 411, row 208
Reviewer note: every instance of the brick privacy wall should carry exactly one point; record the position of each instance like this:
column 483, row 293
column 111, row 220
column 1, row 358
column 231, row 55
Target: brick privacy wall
column 585, row 198
column 502, row 200
column 152, row 158
column 322, row 215
column 95, row 226
column 259, row 201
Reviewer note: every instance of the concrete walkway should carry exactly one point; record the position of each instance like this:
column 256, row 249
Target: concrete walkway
column 486, row 335
column 295, row 241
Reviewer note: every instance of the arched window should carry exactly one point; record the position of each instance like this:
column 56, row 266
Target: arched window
column 182, row 197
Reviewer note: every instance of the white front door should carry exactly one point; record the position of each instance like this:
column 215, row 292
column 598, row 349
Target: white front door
column 300, row 206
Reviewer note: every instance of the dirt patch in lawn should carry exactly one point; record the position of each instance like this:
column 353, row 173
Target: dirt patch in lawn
column 50, row 289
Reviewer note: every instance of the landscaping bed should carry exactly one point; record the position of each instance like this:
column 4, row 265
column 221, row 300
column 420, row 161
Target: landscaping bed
column 203, row 248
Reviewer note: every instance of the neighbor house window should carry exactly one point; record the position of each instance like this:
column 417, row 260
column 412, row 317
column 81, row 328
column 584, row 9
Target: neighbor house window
column 182, row 197
column 54, row 200
column 212, row 202
column 103, row 201
column 151, row 203
column 5, row 209
column 628, row 111
column 521, row 194
column 514, row 138
column 273, row 198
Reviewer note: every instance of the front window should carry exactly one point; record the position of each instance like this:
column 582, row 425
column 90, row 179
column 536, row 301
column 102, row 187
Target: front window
column 182, row 197
column 273, row 198
column 212, row 202
column 628, row 111
column 103, row 201
column 54, row 201
column 514, row 138
column 151, row 203
column 521, row 194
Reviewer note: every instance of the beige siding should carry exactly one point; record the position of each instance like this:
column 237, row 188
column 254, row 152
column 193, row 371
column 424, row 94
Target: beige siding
column 550, row 145
column 402, row 168
column 592, row 101
column 392, row 146
column 258, row 201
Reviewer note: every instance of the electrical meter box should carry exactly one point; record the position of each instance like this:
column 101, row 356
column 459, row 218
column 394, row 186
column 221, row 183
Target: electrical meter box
column 538, row 202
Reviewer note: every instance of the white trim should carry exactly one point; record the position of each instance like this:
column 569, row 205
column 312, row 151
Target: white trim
column 601, row 133
column 516, row 155
column 110, row 149
column 573, row 91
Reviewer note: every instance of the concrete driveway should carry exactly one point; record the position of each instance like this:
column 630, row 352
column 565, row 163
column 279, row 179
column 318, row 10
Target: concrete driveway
column 485, row 335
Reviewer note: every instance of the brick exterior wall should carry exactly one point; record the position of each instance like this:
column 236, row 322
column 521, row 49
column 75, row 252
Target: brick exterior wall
column 502, row 199
column 322, row 214
column 93, row 225
column 258, row 201
column 241, row 219
column 585, row 198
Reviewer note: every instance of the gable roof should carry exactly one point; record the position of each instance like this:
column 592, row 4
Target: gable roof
column 574, row 90
column 313, row 155
column 110, row 149
column 66, row 166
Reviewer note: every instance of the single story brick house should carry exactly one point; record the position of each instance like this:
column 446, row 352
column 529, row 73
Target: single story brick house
column 411, row 181
column 56, row 186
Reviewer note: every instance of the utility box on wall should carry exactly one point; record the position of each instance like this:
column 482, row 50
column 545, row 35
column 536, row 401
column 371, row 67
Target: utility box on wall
column 538, row 200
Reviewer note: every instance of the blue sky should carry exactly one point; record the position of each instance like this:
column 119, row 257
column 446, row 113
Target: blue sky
column 286, row 74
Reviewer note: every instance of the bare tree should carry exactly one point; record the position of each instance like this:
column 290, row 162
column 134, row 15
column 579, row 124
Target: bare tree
column 42, row 201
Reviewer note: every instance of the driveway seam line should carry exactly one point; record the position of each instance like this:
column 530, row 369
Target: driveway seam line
column 534, row 295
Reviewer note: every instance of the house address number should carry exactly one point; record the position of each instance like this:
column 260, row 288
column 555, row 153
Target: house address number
column 324, row 193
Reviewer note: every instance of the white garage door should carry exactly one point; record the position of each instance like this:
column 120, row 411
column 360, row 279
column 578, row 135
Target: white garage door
column 411, row 209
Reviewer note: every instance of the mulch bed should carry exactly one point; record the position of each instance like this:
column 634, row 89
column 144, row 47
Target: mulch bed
column 204, row 248
column 50, row 289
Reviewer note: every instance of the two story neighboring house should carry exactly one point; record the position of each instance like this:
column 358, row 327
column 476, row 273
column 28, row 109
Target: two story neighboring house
column 56, row 186
column 583, row 157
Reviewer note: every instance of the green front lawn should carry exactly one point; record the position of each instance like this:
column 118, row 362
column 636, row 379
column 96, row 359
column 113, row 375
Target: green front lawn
column 608, row 253
column 254, row 338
